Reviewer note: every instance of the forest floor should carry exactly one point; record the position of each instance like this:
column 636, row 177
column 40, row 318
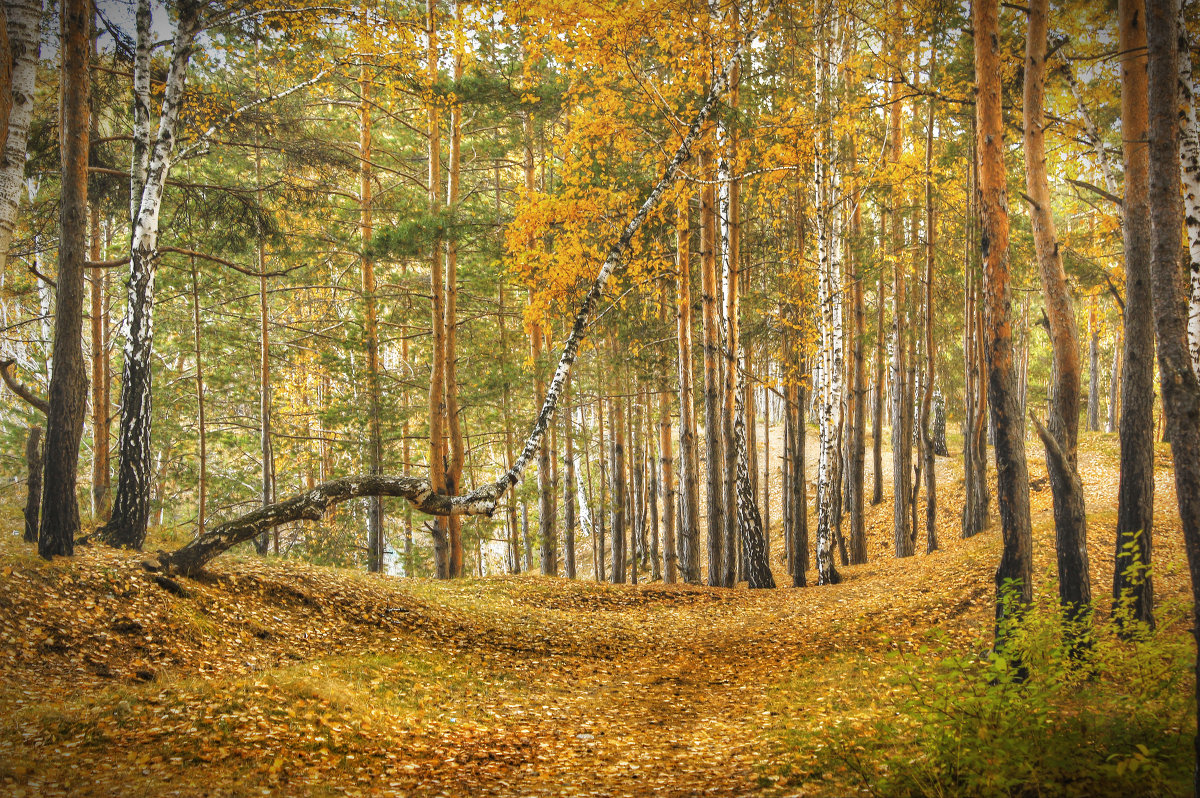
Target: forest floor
column 282, row 678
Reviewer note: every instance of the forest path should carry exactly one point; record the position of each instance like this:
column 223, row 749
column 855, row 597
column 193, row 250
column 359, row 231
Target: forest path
column 281, row 678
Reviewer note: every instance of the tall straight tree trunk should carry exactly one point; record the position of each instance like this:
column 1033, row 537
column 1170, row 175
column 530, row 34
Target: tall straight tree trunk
column 1114, row 385
column 903, row 534
column 799, row 500
column 33, row 483
column 23, row 19
column 603, row 503
column 267, row 453
column 456, row 455
column 666, row 462
column 201, row 425
column 1093, row 406
column 375, row 534
column 617, row 427
column 149, row 167
column 1014, row 577
column 1181, row 391
column 689, row 472
column 568, row 481
column 858, row 392
column 1062, row 434
column 1133, row 586
column 1189, row 160
column 68, row 381
column 927, row 444
column 101, row 495
column 514, row 541
column 714, row 456
column 438, row 477
column 877, row 392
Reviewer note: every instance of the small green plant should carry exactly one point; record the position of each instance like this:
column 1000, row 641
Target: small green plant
column 1031, row 719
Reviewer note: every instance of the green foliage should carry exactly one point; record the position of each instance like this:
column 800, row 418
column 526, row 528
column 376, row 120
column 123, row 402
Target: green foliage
column 973, row 725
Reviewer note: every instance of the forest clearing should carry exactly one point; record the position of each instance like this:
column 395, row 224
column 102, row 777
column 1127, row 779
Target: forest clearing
column 468, row 397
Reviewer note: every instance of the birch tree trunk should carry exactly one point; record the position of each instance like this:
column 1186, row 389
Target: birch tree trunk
column 617, row 427
column 150, row 165
column 1189, row 161
column 1014, row 577
column 713, row 451
column 24, row 19
column 568, row 482
column 689, row 471
column 927, row 443
column 1114, row 385
column 1133, row 586
column 67, row 394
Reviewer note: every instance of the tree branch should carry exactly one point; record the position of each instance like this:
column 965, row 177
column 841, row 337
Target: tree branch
column 35, row 401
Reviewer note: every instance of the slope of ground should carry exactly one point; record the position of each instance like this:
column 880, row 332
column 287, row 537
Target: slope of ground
column 280, row 678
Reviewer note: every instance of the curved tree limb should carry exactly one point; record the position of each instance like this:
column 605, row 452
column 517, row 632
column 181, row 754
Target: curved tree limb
column 419, row 493
column 23, row 391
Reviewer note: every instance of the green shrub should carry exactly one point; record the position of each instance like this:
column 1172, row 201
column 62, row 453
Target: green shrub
column 1116, row 720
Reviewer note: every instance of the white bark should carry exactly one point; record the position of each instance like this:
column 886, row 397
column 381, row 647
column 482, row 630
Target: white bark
column 24, row 21
column 1189, row 158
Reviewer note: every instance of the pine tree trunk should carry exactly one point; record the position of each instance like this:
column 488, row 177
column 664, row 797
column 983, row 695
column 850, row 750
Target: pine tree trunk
column 455, row 455
column 856, row 461
column 1014, row 577
column 201, row 425
column 1093, row 406
column 267, row 482
column 101, row 497
column 67, row 393
column 1181, row 391
column 877, row 393
column 670, row 498
column 1114, row 385
column 1133, row 587
column 438, row 528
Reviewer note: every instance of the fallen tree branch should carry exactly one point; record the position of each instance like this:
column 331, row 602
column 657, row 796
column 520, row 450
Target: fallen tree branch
column 312, row 504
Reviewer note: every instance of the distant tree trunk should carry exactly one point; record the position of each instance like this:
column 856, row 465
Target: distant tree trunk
column 33, row 485
column 689, row 471
column 1133, row 586
column 201, row 426
column 101, row 498
column 877, row 398
column 1181, row 391
column 618, row 490
column 670, row 498
column 267, row 481
column 1014, row 577
column 1114, row 385
column 652, row 496
column 799, row 487
column 638, row 480
column 713, row 452
column 856, row 434
column 603, row 503
column 514, row 542
column 23, row 18
column 1093, row 406
column 375, row 534
column 68, row 381
column 975, row 510
column 568, row 481
column 526, row 540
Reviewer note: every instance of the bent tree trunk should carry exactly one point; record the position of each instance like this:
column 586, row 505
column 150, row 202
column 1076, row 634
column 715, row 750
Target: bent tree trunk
column 312, row 504
column 419, row 492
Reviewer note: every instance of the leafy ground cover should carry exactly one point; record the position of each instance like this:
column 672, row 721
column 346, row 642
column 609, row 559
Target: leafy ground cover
column 280, row 678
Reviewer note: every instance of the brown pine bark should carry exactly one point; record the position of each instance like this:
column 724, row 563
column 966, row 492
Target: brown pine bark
column 375, row 534
column 437, row 279
column 1133, row 586
column 877, row 391
column 1180, row 389
column 1014, row 576
column 666, row 463
column 456, row 454
column 101, row 498
column 59, row 523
